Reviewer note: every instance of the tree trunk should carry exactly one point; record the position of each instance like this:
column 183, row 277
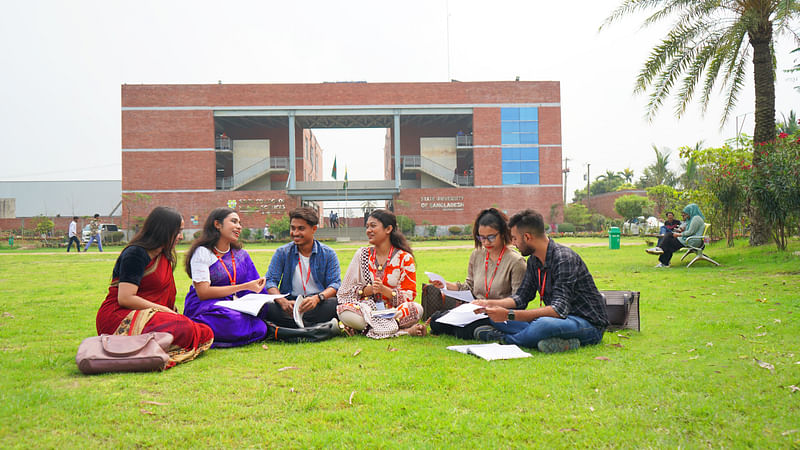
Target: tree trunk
column 764, row 76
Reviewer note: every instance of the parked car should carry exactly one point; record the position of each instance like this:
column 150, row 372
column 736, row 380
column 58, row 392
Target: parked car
column 86, row 234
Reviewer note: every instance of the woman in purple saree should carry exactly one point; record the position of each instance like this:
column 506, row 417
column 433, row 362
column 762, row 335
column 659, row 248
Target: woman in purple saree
column 221, row 270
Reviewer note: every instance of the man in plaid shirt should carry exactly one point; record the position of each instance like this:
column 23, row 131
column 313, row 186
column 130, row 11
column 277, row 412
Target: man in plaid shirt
column 571, row 310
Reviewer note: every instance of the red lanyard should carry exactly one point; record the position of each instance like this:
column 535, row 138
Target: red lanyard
column 233, row 261
column 541, row 289
column 308, row 276
column 486, row 282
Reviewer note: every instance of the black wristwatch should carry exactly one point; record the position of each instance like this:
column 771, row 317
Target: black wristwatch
column 511, row 314
column 321, row 297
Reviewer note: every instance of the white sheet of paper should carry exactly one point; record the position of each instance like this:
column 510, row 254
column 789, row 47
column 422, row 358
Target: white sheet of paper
column 250, row 303
column 491, row 352
column 461, row 315
column 464, row 296
column 435, row 277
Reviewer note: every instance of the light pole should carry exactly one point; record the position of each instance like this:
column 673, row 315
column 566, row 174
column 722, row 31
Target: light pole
column 588, row 181
column 565, row 171
column 739, row 129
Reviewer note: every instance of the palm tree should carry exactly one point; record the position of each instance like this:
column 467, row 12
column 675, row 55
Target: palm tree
column 709, row 39
column 659, row 172
column 789, row 124
column 690, row 178
column 627, row 175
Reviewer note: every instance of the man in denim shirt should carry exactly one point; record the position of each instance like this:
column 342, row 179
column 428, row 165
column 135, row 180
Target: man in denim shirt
column 573, row 311
column 304, row 268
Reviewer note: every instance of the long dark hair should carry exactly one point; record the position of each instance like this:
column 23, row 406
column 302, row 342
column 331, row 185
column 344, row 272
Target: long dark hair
column 160, row 229
column 491, row 217
column 210, row 235
column 396, row 236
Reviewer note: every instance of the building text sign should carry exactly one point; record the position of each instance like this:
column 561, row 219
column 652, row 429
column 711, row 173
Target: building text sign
column 442, row 203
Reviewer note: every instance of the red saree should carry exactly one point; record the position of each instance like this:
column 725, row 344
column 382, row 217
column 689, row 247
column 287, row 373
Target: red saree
column 158, row 286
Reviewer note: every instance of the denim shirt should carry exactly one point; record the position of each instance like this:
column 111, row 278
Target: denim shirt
column 323, row 261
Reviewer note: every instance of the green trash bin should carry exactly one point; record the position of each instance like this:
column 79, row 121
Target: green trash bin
column 613, row 238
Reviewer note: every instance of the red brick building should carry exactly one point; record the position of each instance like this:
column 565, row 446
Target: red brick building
column 451, row 148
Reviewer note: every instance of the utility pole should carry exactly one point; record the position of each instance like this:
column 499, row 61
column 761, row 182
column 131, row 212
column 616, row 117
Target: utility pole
column 565, row 171
column 588, row 181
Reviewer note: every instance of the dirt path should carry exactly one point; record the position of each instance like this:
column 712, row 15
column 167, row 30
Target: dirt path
column 354, row 247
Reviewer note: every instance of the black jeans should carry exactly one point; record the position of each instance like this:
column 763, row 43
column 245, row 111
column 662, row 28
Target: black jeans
column 670, row 244
column 77, row 243
column 465, row 332
column 324, row 312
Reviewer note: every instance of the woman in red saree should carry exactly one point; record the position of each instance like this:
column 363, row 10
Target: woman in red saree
column 141, row 296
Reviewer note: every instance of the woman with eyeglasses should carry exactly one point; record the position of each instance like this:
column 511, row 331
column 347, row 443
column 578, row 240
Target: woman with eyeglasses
column 495, row 271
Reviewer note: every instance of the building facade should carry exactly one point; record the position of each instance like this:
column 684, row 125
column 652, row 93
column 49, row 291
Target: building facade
column 451, row 149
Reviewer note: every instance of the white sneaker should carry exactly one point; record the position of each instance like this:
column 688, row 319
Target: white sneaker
column 655, row 251
column 661, row 265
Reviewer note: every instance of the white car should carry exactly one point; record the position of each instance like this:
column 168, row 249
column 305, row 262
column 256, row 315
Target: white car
column 86, row 234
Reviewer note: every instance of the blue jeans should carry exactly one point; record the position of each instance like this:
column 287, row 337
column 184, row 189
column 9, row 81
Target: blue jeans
column 528, row 334
column 94, row 238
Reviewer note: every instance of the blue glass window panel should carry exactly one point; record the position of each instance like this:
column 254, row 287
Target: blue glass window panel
column 529, row 127
column 511, row 154
column 528, row 154
column 529, row 178
column 529, row 114
column 528, row 138
column 510, row 138
column 509, row 113
column 511, row 178
column 527, row 166
column 511, row 166
column 509, row 127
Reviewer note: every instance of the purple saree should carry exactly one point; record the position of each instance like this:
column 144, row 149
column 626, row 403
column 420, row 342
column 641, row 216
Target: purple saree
column 231, row 328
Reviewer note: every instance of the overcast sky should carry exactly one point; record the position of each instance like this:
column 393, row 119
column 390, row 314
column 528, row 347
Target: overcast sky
column 64, row 63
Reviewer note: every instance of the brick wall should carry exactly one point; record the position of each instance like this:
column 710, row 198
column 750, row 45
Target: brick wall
column 426, row 204
column 604, row 203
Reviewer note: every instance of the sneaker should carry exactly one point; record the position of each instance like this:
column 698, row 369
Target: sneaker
column 659, row 265
column 556, row 345
column 488, row 333
column 655, row 251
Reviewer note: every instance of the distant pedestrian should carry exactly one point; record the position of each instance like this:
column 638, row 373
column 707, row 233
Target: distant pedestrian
column 73, row 235
column 96, row 236
column 332, row 219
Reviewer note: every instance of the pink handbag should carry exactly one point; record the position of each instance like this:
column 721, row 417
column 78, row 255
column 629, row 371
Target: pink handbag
column 115, row 353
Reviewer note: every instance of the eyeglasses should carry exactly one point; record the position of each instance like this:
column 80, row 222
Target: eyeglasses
column 491, row 238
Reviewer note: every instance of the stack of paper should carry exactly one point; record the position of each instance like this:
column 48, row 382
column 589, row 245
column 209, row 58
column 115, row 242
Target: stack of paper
column 491, row 352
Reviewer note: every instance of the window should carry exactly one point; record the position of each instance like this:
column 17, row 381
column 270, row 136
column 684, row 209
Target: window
column 519, row 128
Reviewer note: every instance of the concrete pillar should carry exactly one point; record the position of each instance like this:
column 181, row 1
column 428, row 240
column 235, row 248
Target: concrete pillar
column 396, row 136
column 292, row 153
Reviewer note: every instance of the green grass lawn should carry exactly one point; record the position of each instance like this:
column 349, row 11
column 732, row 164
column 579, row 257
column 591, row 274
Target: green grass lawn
column 690, row 378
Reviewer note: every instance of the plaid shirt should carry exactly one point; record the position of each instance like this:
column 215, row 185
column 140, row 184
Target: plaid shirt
column 569, row 288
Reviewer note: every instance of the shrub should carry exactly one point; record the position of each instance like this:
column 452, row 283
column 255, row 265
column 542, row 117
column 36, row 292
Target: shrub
column 632, row 206
column 468, row 229
column 246, row 232
column 116, row 236
column 455, row 230
column 576, row 213
column 775, row 186
column 431, row 230
column 197, row 234
column 279, row 225
column 406, row 224
column 596, row 221
column 566, row 227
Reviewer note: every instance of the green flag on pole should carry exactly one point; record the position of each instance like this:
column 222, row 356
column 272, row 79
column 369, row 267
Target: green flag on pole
column 333, row 172
column 344, row 186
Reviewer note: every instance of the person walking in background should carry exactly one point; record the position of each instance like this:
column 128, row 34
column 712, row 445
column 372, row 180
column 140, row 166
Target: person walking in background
column 94, row 226
column 73, row 235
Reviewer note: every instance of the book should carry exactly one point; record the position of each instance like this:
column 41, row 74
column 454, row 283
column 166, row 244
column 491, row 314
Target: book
column 491, row 352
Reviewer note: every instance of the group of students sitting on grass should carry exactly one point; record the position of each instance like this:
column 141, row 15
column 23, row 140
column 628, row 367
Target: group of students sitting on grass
column 383, row 275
